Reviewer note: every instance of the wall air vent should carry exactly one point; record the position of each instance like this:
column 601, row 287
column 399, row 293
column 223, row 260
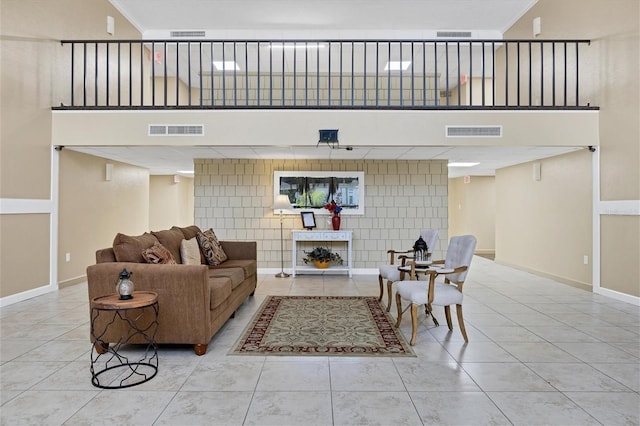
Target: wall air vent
column 453, row 34
column 187, row 34
column 474, row 131
column 176, row 130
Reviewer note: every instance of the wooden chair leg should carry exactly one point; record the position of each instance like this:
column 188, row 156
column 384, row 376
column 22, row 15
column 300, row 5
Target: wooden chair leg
column 414, row 323
column 389, row 284
column 399, row 306
column 447, row 314
column 461, row 322
column 381, row 288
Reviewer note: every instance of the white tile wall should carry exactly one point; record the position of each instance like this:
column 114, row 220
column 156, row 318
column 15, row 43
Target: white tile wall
column 235, row 198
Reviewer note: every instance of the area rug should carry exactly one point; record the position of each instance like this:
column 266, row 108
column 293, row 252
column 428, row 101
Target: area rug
column 322, row 326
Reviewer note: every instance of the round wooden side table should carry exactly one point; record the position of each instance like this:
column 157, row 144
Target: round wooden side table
column 111, row 367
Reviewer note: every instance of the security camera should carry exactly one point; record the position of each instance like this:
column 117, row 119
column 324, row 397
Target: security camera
column 591, row 148
column 349, row 148
column 59, row 147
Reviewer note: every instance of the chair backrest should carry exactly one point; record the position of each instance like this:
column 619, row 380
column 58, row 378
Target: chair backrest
column 460, row 253
column 430, row 236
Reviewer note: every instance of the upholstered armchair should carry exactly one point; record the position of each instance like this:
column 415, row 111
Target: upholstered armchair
column 390, row 271
column 454, row 268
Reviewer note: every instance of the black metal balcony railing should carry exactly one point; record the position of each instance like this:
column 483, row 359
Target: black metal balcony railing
column 324, row 74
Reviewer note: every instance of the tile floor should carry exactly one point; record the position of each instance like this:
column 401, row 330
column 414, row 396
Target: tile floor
column 540, row 352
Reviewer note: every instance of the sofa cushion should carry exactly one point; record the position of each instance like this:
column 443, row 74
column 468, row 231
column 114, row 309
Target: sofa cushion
column 188, row 232
column 236, row 275
column 211, row 247
column 129, row 248
column 190, row 252
column 220, row 290
column 250, row 267
column 171, row 239
column 158, row 254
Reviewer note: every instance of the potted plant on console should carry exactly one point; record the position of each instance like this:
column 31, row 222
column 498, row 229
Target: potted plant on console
column 322, row 257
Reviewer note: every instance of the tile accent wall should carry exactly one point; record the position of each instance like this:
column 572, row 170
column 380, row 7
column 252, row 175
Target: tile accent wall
column 235, row 198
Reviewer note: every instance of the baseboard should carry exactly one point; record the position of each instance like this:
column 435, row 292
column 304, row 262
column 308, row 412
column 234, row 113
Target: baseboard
column 72, row 281
column 19, row 297
column 564, row 280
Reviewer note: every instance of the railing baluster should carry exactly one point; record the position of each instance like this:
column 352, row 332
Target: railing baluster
column 130, row 75
column 530, row 73
column 177, row 74
column 541, row 74
column 224, row 76
column 377, row 71
column 283, row 80
column 295, row 68
column 553, row 73
column 470, row 78
column 235, row 73
column 506, row 73
column 212, row 72
column 352, row 74
column 95, row 78
column 577, row 75
column 189, row 72
column 565, row 74
column 107, row 72
column 166, row 85
column 329, row 75
column 141, row 74
column 200, row 70
column 73, row 68
column 458, row 67
column 436, row 97
column 246, row 73
column 446, row 51
column 119, row 76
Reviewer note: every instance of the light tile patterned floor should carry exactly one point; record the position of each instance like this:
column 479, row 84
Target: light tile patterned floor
column 540, row 352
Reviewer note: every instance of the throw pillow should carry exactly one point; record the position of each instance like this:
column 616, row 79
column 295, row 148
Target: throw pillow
column 190, row 252
column 129, row 248
column 158, row 254
column 211, row 248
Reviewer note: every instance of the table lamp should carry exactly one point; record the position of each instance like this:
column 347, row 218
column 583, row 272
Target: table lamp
column 282, row 203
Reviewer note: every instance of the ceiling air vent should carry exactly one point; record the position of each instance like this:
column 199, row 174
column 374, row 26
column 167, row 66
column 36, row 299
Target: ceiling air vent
column 187, row 34
column 453, row 34
column 474, row 131
column 176, row 130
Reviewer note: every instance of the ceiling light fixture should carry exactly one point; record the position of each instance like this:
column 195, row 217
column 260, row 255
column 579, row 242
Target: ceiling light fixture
column 462, row 164
column 397, row 65
column 226, row 65
column 186, row 172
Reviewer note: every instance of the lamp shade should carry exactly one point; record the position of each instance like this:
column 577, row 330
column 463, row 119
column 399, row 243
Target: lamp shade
column 282, row 202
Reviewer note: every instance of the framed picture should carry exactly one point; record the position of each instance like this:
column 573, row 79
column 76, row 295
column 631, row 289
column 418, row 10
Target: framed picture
column 308, row 220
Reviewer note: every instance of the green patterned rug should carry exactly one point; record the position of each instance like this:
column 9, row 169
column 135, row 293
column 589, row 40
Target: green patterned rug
column 322, row 326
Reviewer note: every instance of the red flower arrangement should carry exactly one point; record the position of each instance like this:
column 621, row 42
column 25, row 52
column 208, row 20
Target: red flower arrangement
column 334, row 208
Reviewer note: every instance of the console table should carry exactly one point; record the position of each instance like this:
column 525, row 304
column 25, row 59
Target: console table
column 320, row 235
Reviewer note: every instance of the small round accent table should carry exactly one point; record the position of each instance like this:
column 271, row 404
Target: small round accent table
column 111, row 367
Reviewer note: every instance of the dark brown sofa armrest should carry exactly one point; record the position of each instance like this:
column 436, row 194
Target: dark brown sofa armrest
column 237, row 250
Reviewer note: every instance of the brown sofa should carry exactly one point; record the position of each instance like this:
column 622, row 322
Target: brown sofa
column 194, row 300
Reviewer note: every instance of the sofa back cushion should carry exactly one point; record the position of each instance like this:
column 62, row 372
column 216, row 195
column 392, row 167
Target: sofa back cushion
column 188, row 232
column 171, row 239
column 129, row 248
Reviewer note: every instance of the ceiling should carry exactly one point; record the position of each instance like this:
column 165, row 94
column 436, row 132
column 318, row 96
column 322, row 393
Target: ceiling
column 328, row 19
